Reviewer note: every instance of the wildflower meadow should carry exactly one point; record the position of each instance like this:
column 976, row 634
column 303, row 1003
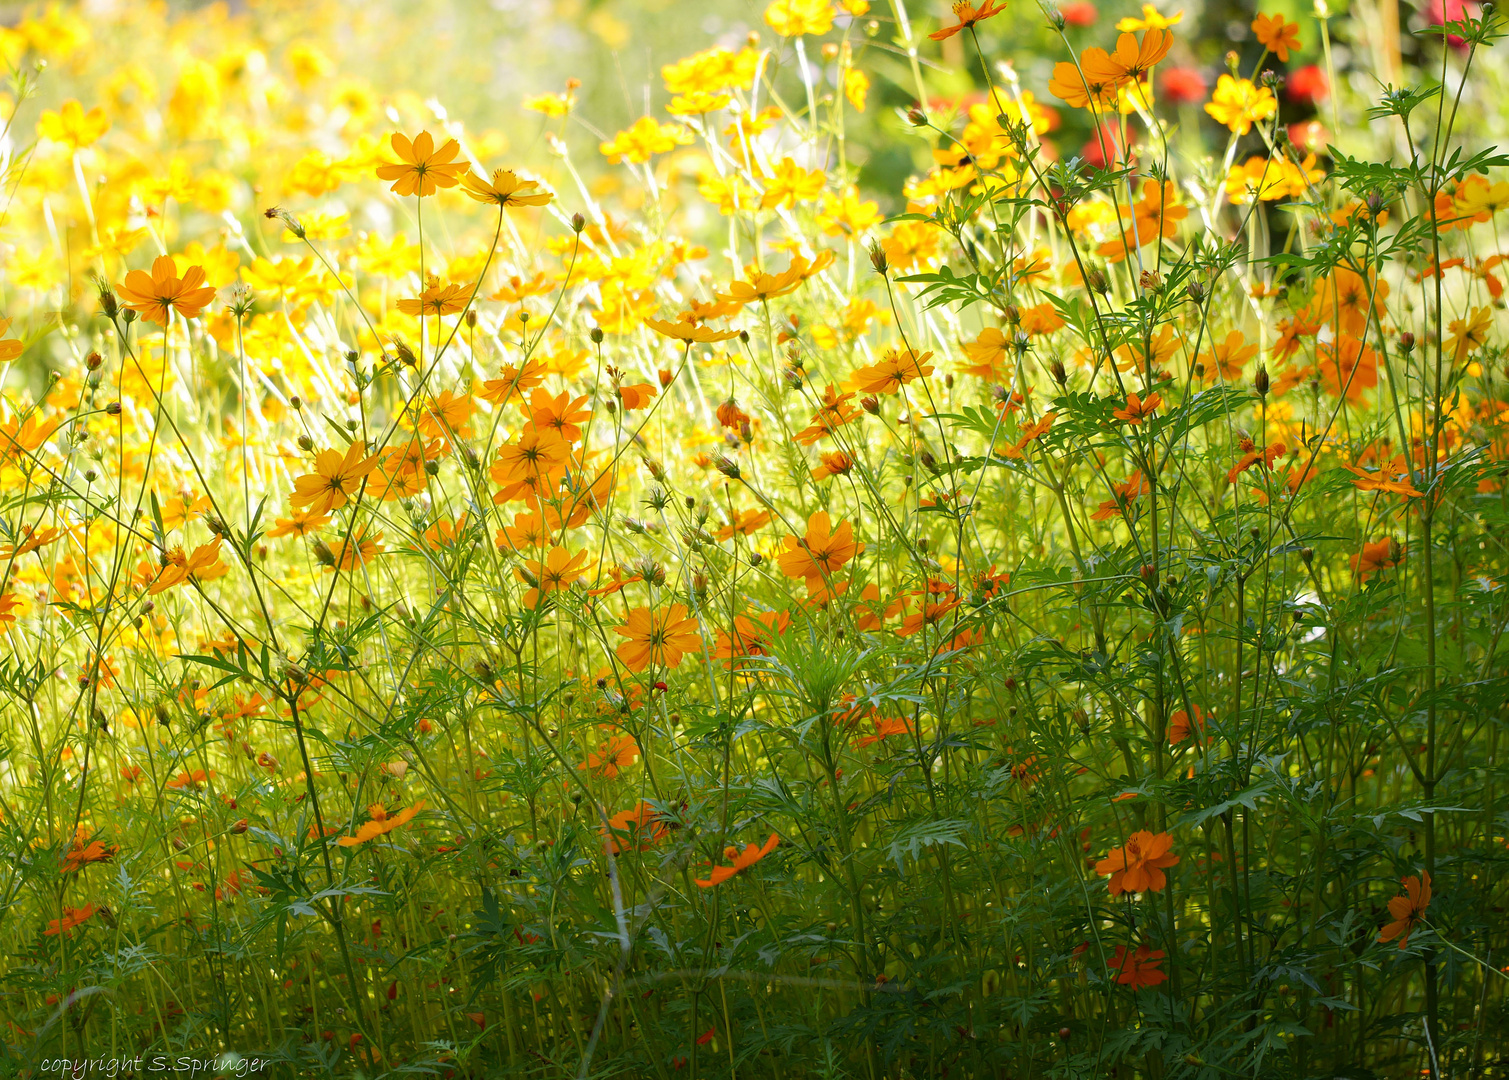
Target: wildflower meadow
column 811, row 539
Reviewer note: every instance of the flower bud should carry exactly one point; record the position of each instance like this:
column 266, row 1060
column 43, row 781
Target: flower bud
column 113, row 409
column 596, row 334
column 578, row 223
column 1260, row 381
column 878, row 258
column 727, row 466
column 665, row 378
column 1097, row 282
column 871, row 404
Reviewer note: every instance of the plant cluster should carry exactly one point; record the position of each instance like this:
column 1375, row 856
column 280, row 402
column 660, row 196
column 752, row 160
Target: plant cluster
column 658, row 613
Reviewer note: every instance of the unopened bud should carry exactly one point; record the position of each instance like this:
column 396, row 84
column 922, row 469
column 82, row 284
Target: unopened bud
column 1260, row 381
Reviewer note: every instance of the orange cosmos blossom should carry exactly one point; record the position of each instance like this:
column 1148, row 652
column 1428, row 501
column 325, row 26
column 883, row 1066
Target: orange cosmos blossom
column 506, row 188
column 1382, row 554
column 1138, row 409
column 615, row 755
column 381, row 823
column 643, row 824
column 689, row 332
column 1138, row 968
column 1123, row 495
column 335, row 479
column 1130, row 62
column 203, row 564
column 741, row 861
column 1138, row 865
column 422, row 169
column 821, row 553
column 156, row 295
column 1276, row 35
column 896, row 368
column 1179, row 726
column 968, row 15
column 554, row 573
column 657, row 638
column 1408, row 910
column 71, row 917
column 84, row 851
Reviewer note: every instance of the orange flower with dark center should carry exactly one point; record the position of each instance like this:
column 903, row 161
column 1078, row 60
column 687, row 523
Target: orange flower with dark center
column 896, row 368
column 1131, row 61
column 1138, row 968
column 505, row 188
column 84, row 851
column 157, row 295
column 381, row 823
column 615, row 755
column 968, row 15
column 71, row 917
column 751, row 637
column 643, row 825
column 554, row 573
column 657, row 638
column 523, row 464
column 335, row 479
column 1382, row 554
column 1408, row 910
column 833, row 413
column 1123, row 495
column 1180, row 727
column 821, row 553
column 438, row 300
column 1276, row 35
column 422, row 168
column 1138, row 865
column 740, row 861
column 1138, row 409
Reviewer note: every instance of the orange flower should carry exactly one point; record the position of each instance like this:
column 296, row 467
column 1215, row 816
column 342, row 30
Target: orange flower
column 689, row 332
column 1122, row 496
column 741, row 861
column 523, row 466
column 381, row 823
column 335, row 479
column 302, row 523
column 422, row 169
column 751, row 636
column 821, row 553
column 1179, row 725
column 1078, row 90
column 643, row 824
column 504, row 189
column 615, row 755
column 1276, row 35
column 834, row 412
column 1408, row 910
column 1382, row 554
column 885, row 728
column 747, row 523
column 1139, row 968
column 84, row 851
column 1131, row 61
column 636, row 396
column 1137, row 410
column 202, row 565
column 154, row 296
column 835, row 464
column 438, row 300
column 657, row 638
column 1138, row 866
column 552, row 574
column 896, row 368
column 1387, row 480
column 968, row 15
column 562, row 414
column 71, row 917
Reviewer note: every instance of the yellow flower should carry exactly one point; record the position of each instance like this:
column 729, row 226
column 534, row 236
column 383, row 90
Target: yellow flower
column 1469, row 334
column 1150, row 20
column 153, row 296
column 422, row 168
column 1239, row 104
column 505, row 189
column 437, row 300
column 792, row 184
column 645, row 138
column 793, row 18
column 72, row 126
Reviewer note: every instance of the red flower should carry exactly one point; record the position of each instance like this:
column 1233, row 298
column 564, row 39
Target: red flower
column 1308, row 85
column 1184, row 86
column 1079, row 13
column 1408, row 910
